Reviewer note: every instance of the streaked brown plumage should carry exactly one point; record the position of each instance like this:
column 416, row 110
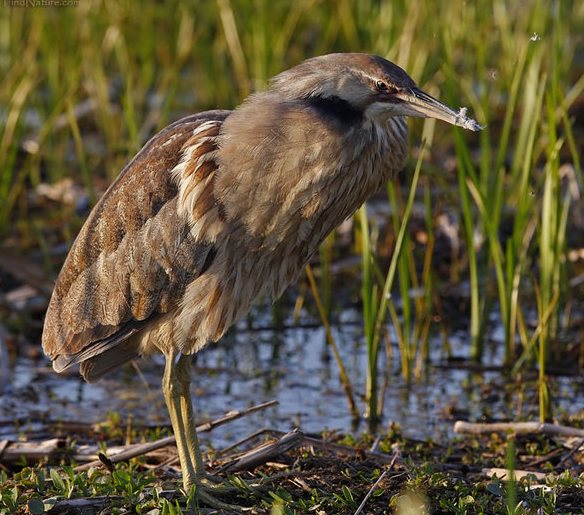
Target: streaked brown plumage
column 221, row 206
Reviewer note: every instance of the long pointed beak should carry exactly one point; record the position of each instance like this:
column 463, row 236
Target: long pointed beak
column 426, row 106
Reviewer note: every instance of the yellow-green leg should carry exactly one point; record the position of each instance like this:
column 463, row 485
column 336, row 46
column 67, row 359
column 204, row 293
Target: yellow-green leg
column 171, row 389
column 176, row 389
column 183, row 372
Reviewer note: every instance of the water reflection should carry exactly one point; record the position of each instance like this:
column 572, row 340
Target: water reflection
column 293, row 366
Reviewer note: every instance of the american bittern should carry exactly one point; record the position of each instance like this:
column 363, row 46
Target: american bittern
column 222, row 206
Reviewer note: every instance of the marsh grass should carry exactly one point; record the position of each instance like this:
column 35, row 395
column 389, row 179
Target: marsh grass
column 136, row 66
column 377, row 296
column 530, row 187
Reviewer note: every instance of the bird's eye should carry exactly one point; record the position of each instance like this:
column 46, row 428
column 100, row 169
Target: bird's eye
column 383, row 87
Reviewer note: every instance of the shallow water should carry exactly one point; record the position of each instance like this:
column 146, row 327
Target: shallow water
column 294, row 366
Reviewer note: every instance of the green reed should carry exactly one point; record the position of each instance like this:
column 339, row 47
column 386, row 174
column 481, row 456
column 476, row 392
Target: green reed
column 348, row 388
column 540, row 205
column 377, row 300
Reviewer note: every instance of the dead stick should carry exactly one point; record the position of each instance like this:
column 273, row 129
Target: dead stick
column 572, row 452
column 518, row 428
column 264, row 453
column 144, row 448
column 309, row 441
column 232, row 415
column 339, row 449
column 31, row 451
column 372, row 489
column 245, row 439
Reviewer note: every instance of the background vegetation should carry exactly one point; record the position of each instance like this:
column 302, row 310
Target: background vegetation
column 83, row 87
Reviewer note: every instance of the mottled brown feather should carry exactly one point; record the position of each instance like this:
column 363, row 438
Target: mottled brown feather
column 221, row 207
column 133, row 259
column 218, row 208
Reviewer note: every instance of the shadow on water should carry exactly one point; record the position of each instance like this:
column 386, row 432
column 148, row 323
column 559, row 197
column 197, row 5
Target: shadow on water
column 294, row 366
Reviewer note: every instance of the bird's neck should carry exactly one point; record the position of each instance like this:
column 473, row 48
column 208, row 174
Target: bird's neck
column 287, row 177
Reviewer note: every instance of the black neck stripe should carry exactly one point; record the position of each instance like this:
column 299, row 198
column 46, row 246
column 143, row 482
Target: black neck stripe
column 336, row 109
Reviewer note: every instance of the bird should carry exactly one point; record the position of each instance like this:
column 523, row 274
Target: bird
column 223, row 206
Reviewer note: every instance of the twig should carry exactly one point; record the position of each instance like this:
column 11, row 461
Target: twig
column 344, row 450
column 546, row 458
column 144, row 448
column 3, row 445
column 245, row 439
column 31, row 451
column 372, row 489
column 263, row 453
column 518, row 428
column 308, row 441
column 376, row 443
column 91, row 505
column 574, row 449
column 233, row 415
column 504, row 474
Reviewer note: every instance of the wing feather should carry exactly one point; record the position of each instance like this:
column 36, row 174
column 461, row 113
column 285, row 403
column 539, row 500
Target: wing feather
column 136, row 253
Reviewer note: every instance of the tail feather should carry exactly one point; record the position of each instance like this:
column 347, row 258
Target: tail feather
column 95, row 368
column 100, row 357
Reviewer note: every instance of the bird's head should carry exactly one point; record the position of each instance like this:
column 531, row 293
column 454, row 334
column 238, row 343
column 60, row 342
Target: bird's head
column 371, row 85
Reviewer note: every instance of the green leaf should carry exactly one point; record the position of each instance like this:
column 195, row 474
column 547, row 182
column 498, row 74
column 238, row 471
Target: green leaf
column 495, row 488
column 122, row 476
column 348, row 496
column 35, row 506
column 50, row 502
column 57, row 480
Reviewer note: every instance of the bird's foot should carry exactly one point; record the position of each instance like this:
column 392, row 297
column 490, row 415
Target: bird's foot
column 211, row 480
column 230, row 484
column 209, row 495
column 211, row 490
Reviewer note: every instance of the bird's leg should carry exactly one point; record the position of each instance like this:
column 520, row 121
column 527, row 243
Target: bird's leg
column 183, row 371
column 176, row 389
column 171, row 388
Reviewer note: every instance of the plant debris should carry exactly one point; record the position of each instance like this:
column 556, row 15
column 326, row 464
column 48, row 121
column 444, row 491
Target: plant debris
column 276, row 472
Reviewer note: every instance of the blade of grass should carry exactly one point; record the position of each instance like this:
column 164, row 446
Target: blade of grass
column 329, row 336
column 374, row 332
column 476, row 329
